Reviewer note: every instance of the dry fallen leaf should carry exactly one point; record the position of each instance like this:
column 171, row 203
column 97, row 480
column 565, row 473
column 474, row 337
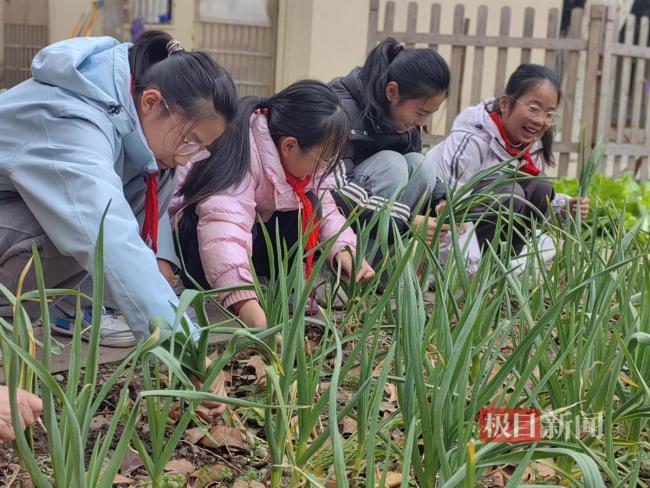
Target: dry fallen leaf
column 257, row 363
column 130, row 463
column 175, row 411
column 391, row 389
column 221, row 436
column 122, row 480
column 194, row 435
column 377, row 371
column 393, row 479
column 179, row 466
column 204, row 413
column 495, row 478
column 627, row 380
column 397, row 435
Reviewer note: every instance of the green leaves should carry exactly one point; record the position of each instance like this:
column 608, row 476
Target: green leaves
column 612, row 198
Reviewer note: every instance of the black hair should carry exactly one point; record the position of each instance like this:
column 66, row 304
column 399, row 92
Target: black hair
column 186, row 79
column 525, row 77
column 419, row 73
column 307, row 110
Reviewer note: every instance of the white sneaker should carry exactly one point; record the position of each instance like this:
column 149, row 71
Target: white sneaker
column 113, row 329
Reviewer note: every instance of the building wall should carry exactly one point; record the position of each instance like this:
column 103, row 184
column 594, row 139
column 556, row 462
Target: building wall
column 294, row 48
column 330, row 36
column 326, row 38
column 64, row 15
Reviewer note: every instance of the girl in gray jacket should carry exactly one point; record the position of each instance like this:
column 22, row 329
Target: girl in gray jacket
column 495, row 130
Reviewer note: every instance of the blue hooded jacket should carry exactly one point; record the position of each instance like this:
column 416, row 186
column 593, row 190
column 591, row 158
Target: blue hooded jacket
column 70, row 143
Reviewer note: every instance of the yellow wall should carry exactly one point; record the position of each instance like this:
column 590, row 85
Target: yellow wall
column 338, row 37
column 294, row 46
column 64, row 15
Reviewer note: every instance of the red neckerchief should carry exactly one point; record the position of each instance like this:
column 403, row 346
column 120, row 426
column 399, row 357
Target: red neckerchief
column 308, row 219
column 528, row 166
column 150, row 226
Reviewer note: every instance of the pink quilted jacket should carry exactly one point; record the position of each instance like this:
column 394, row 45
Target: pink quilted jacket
column 226, row 220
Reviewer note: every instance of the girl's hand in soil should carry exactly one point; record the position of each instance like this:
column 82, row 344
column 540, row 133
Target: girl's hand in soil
column 167, row 271
column 365, row 273
column 251, row 313
column 29, row 409
column 431, row 224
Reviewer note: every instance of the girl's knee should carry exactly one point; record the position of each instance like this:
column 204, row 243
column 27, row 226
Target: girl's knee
column 393, row 168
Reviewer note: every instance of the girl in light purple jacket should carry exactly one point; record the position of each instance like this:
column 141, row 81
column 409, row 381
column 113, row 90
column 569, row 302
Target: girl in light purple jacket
column 286, row 146
column 518, row 124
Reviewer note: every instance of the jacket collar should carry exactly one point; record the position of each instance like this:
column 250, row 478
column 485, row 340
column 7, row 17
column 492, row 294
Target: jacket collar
column 478, row 117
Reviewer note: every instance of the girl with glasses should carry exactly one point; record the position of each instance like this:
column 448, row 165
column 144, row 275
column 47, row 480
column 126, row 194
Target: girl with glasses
column 105, row 122
column 519, row 124
column 289, row 144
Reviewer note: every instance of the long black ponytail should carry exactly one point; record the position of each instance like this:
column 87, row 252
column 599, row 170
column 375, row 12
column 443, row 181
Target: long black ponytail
column 419, row 73
column 307, row 110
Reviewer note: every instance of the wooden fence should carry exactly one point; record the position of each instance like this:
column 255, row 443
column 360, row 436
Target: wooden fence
column 605, row 81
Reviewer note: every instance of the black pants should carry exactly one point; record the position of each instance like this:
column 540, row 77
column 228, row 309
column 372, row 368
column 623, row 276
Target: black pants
column 284, row 224
column 525, row 196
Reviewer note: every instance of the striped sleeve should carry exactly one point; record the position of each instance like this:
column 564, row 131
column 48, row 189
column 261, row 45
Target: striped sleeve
column 352, row 196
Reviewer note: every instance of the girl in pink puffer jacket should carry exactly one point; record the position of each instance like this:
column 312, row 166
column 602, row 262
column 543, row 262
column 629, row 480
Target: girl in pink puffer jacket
column 285, row 146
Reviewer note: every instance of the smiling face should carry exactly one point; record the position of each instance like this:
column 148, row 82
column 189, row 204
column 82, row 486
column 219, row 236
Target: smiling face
column 531, row 115
column 174, row 138
column 409, row 113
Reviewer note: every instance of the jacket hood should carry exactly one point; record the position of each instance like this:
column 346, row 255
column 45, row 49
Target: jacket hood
column 96, row 70
column 80, row 65
column 477, row 117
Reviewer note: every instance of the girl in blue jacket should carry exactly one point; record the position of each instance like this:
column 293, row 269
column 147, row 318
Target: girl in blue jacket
column 99, row 122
